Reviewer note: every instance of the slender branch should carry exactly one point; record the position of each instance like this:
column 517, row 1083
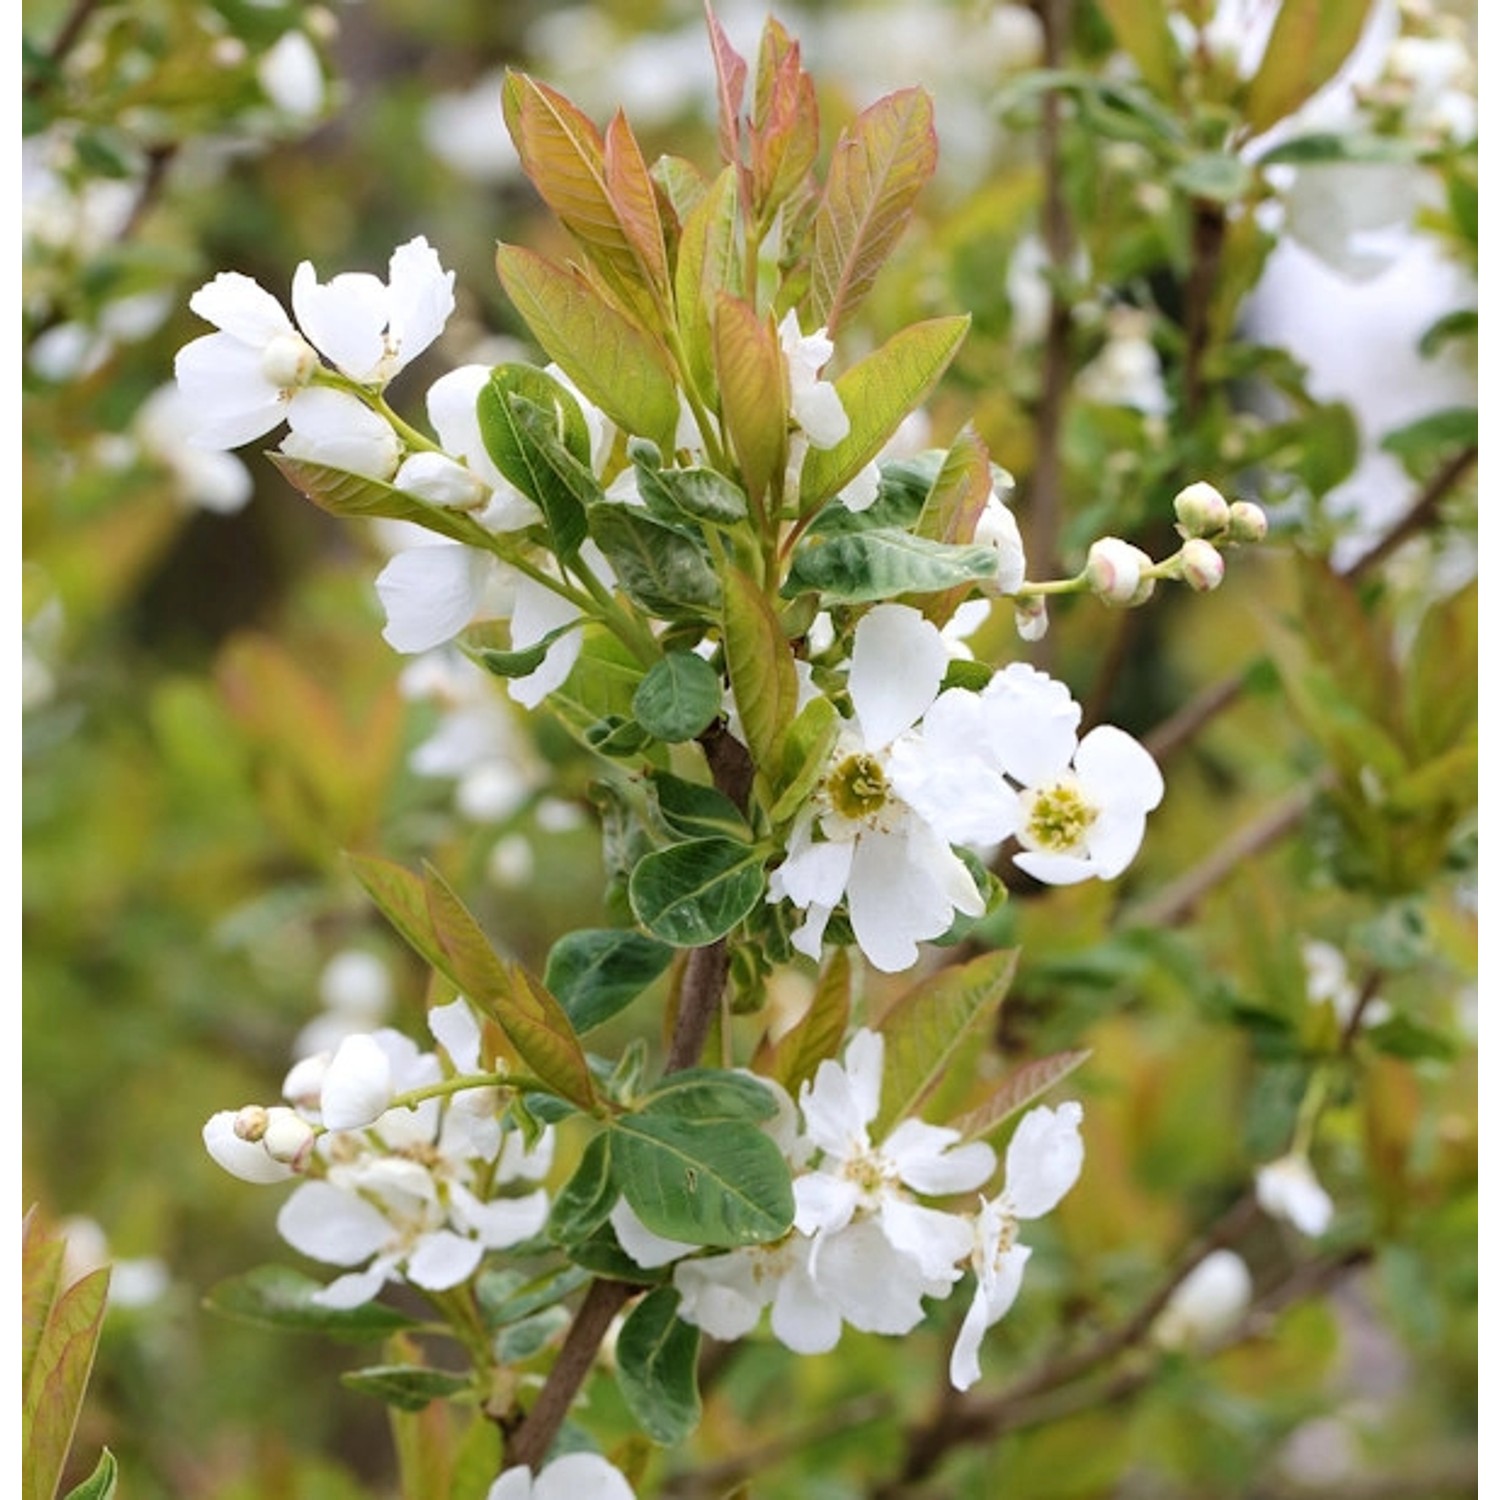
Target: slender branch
column 66, row 39
column 1207, row 250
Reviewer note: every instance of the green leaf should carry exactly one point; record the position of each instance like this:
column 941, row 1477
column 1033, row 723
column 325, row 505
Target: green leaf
column 708, row 263
column 762, row 671
column 794, row 1057
column 752, row 392
column 279, row 1297
column 532, row 1020
column 656, row 1363
column 596, row 972
column 506, row 1296
column 1307, row 46
column 1016, row 1091
column 952, row 510
column 929, row 1023
column 679, row 697
column 618, row 367
column 524, row 662
column 529, row 1336
column 693, row 893
column 41, row 1275
column 1461, row 324
column 694, row 811
column 784, row 140
column 879, row 168
column 804, row 756
column 1422, row 443
column 1214, row 175
column 682, row 185
column 1402, row 1037
column 1341, row 146
column 710, row 1094
column 698, row 494
column 100, row 1485
column 666, row 573
column 1140, row 27
column 878, row 393
column 705, row 1182
column 587, row 1196
column 863, row 566
column 406, row 1387
column 347, row 495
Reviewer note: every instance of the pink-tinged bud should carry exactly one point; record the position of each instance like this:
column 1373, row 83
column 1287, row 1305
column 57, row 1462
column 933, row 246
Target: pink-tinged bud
column 1116, row 572
column 1202, row 566
column 1201, row 510
column 1031, row 619
column 288, row 1137
column 1247, row 522
column 250, row 1122
column 289, row 361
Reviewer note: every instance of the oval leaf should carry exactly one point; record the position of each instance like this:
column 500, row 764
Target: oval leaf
column 597, row 972
column 406, row 1387
column 279, row 1297
column 693, row 893
column 657, row 1365
column 679, row 697
column 862, row 566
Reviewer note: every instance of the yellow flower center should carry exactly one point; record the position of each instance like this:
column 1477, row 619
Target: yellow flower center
column 1056, row 818
column 857, row 787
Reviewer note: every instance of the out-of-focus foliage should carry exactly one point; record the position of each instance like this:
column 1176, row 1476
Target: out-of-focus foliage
column 1133, row 212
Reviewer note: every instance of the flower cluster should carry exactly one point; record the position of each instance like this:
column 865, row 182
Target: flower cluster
column 864, row 1248
column 400, row 1181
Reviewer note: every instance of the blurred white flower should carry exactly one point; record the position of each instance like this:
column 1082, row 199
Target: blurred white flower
column 292, row 76
column 574, row 1476
column 1206, row 1304
column 1287, row 1189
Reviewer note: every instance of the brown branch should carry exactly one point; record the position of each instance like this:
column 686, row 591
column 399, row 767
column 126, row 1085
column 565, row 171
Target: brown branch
column 63, row 43
column 1421, row 514
column 1207, row 250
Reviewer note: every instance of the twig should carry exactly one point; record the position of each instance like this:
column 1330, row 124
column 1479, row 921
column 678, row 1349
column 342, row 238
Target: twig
column 64, row 42
column 1207, row 250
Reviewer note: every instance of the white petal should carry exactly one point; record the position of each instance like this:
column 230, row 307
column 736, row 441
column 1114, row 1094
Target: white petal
column 863, row 490
column 802, row 1317
column 358, row 1287
column 928, row 1159
column 442, row 1259
column 421, row 299
column 895, row 670
column 875, row 1287
column 1117, row 771
column 936, row 1241
column 991, row 1303
column 345, row 318
column 1034, row 725
column 820, row 414
column 438, row 479
column 452, row 409
column 246, row 1160
column 1043, row 1159
column 645, row 1247
column 824, row 1202
column 1206, row 1304
column 456, row 1028
column 903, row 889
column 814, row 873
column 1112, row 840
column 1055, row 869
column 357, row 1086
column 330, row 1225
column 721, row 1294
column 501, row 1222
column 242, row 308
column 513, row 1484
column 430, row 594
column 337, row 429
column 1287, row 1189
column 581, row 1476
column 292, row 76
column 227, row 399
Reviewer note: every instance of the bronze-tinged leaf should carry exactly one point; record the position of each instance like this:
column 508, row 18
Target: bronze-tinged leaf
column 794, row 1057
column 952, row 511
column 634, row 199
column 41, row 1274
column 402, row 899
column 752, row 393
column 784, row 137
column 708, row 262
column 59, row 1371
column 1140, row 27
column 879, row 167
column 730, row 72
column 762, row 671
column 562, row 152
column 1308, row 45
column 1027, row 1084
column 615, row 363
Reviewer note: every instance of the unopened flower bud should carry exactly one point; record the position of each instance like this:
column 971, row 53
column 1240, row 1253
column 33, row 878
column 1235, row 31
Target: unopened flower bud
column 1031, row 618
column 245, row 1159
column 1208, row 1302
column 303, row 1085
column 288, row 1137
column 357, row 1087
column 250, row 1122
column 1201, row 510
column 1287, row 1189
column 1202, row 565
column 289, row 361
column 1247, row 522
column 437, row 478
column 1115, row 572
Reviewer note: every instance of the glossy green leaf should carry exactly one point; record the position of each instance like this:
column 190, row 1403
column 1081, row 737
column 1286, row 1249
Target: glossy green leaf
column 587, row 1196
column 930, row 1022
column 656, row 1364
column 794, row 1057
column 697, row 494
column 1421, row 444
column 694, row 811
column 952, row 510
column 861, row 567
column 752, row 392
column 524, row 662
column 681, row 183
column 710, row 1094
column 596, row 972
column 878, row 393
column 1027, row 1084
column 620, row 368
column 358, row 496
column 279, row 1297
column 705, row 1182
column 506, row 1295
column 100, row 1485
column 879, row 168
column 665, row 572
column 729, row 73
column 1307, row 46
column 784, row 140
column 1140, row 26
column 407, row 1387
column 41, row 1277
column 679, row 697
column 402, row 899
column 762, row 671
column 693, row 893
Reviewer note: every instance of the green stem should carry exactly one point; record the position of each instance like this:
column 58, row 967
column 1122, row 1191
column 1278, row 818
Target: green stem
column 464, row 1082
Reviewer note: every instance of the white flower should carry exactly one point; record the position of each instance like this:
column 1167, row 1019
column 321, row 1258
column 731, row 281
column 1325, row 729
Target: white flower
column 1042, row 1163
column 876, row 1250
column 337, row 429
column 1127, row 370
column 1119, row 572
column 206, row 477
column 248, row 1160
column 1287, row 1189
column 292, row 76
column 357, row 1086
column 997, row 528
column 1206, row 1304
column 724, row 1295
column 815, row 404
column 574, row 1476
column 892, row 801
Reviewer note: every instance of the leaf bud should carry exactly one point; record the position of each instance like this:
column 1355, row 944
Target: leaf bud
column 1201, row 510
column 1202, row 566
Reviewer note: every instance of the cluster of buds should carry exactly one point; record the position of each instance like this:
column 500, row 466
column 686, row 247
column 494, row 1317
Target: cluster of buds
column 1122, row 574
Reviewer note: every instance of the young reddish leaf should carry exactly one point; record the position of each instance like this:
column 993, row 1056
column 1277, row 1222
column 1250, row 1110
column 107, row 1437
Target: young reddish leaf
column 878, row 393
column 59, row 1372
column 784, row 140
column 41, row 1271
column 752, row 392
column 634, row 199
column 562, row 153
column 1140, row 27
column 930, row 1022
column 952, row 510
column 1308, row 45
column 1021, row 1088
column 762, row 672
column 794, row 1057
column 402, row 899
column 621, row 369
column 879, row 167
column 708, row 262
column 535, row 1023
column 729, row 72
column 680, row 183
